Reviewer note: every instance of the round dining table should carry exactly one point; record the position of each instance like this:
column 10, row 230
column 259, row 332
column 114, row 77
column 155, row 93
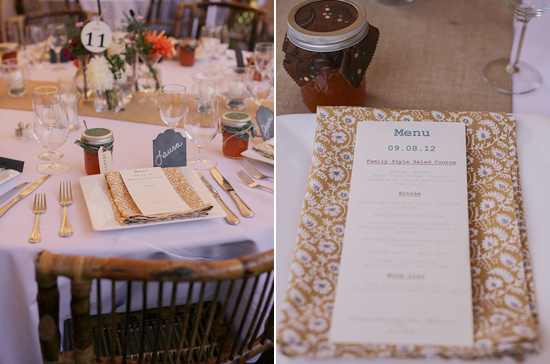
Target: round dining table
column 201, row 240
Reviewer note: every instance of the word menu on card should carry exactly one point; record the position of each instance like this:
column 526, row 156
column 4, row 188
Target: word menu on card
column 405, row 268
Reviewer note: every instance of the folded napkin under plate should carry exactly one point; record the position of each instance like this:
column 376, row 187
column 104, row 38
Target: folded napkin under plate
column 505, row 314
column 127, row 212
column 266, row 148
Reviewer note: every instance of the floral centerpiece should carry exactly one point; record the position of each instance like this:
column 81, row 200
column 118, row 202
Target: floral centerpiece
column 101, row 73
column 150, row 47
column 74, row 50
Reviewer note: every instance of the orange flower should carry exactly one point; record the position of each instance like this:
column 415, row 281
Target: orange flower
column 161, row 45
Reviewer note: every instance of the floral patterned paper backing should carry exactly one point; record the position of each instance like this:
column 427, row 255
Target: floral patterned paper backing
column 127, row 212
column 505, row 320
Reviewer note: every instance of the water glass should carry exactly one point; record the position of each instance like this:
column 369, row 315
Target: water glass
column 67, row 89
column 172, row 104
column 15, row 77
column 201, row 126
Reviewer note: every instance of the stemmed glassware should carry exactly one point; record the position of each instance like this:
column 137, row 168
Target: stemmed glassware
column 51, row 127
column 258, row 85
column 57, row 33
column 201, row 126
column 263, row 59
column 172, row 104
column 37, row 43
column 510, row 75
column 210, row 41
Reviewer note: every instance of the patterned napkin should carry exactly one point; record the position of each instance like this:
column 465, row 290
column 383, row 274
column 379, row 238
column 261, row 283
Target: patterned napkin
column 505, row 312
column 266, row 148
column 127, row 212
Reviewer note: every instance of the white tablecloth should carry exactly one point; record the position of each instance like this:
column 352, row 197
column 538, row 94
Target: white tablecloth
column 200, row 240
column 294, row 149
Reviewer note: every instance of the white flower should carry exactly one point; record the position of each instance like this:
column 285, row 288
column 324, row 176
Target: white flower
column 466, row 120
column 469, row 160
column 493, row 283
column 347, row 156
column 348, row 119
column 379, row 114
column 298, row 270
column 523, row 331
column 317, row 324
column 315, row 185
column 309, row 221
column 290, row 336
column 438, row 115
column 322, row 286
column 483, row 134
column 406, row 118
column 489, row 242
column 296, row 296
column 503, row 219
column 497, row 318
column 336, row 174
column 338, row 229
column 512, row 301
column 484, row 344
column 333, row 267
column 322, row 113
column 507, row 260
column 319, row 148
column 501, row 185
column 497, row 153
column 327, row 246
column 333, row 210
column 487, row 204
column 496, row 116
column 339, row 137
column 303, row 256
column 100, row 77
column 484, row 171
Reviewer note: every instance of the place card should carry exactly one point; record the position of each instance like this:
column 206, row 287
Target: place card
column 265, row 118
column 404, row 275
column 152, row 192
column 169, row 150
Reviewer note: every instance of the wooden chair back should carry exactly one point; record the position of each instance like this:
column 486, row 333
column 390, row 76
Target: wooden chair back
column 36, row 6
column 175, row 17
column 245, row 23
column 227, row 316
column 15, row 26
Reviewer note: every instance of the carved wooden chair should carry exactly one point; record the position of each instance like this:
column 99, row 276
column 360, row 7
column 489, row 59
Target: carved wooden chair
column 245, row 23
column 227, row 316
column 15, row 26
column 37, row 6
column 175, row 17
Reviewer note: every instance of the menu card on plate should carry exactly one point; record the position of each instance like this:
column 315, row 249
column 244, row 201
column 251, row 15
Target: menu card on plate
column 405, row 268
column 152, row 192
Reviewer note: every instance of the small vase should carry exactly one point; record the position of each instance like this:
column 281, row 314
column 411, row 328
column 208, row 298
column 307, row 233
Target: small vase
column 127, row 81
column 149, row 75
column 109, row 101
column 82, row 89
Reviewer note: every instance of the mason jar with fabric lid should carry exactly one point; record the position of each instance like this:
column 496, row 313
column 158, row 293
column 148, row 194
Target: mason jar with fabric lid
column 328, row 47
column 92, row 140
column 237, row 128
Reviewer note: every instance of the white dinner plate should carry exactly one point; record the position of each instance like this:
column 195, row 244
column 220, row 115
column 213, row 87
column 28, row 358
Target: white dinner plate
column 7, row 174
column 250, row 153
column 102, row 216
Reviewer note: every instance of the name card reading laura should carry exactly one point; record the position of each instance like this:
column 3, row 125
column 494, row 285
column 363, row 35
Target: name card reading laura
column 405, row 269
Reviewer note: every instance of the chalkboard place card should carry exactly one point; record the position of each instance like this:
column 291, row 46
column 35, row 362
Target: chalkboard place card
column 265, row 120
column 169, row 150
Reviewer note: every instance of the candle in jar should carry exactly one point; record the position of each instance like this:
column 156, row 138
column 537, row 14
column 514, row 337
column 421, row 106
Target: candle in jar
column 236, row 89
column 16, row 79
column 206, row 92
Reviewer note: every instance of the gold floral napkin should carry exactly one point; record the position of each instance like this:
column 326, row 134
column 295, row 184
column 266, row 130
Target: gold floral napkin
column 266, row 148
column 127, row 212
column 505, row 312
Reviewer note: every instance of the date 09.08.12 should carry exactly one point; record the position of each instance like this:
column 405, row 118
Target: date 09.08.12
column 412, row 148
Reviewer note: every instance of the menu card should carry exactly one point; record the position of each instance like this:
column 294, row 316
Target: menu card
column 152, row 192
column 405, row 269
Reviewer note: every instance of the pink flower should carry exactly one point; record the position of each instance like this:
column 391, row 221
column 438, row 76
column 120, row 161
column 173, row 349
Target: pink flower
column 139, row 18
column 80, row 24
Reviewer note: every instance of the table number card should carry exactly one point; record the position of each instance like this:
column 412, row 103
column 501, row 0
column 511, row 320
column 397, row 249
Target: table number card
column 152, row 192
column 405, row 269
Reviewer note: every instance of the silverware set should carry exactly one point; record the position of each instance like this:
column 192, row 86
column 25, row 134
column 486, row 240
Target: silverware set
column 250, row 182
column 254, row 173
column 38, row 208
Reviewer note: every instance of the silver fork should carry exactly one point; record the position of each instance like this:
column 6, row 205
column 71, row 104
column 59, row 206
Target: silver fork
column 250, row 182
column 65, row 199
column 38, row 208
column 253, row 171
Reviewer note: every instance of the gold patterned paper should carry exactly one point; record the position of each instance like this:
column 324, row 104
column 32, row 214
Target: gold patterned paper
column 266, row 148
column 505, row 313
column 127, row 212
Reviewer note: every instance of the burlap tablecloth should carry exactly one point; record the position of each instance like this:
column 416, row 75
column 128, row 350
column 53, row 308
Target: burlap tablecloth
column 429, row 56
column 140, row 111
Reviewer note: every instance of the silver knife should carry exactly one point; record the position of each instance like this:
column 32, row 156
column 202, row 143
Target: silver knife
column 23, row 194
column 6, row 195
column 245, row 210
column 231, row 218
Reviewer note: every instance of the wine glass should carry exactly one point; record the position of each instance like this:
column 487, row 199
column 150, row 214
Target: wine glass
column 37, row 43
column 57, row 33
column 201, row 126
column 509, row 75
column 209, row 40
column 263, row 58
column 51, row 127
column 172, row 104
column 258, row 85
